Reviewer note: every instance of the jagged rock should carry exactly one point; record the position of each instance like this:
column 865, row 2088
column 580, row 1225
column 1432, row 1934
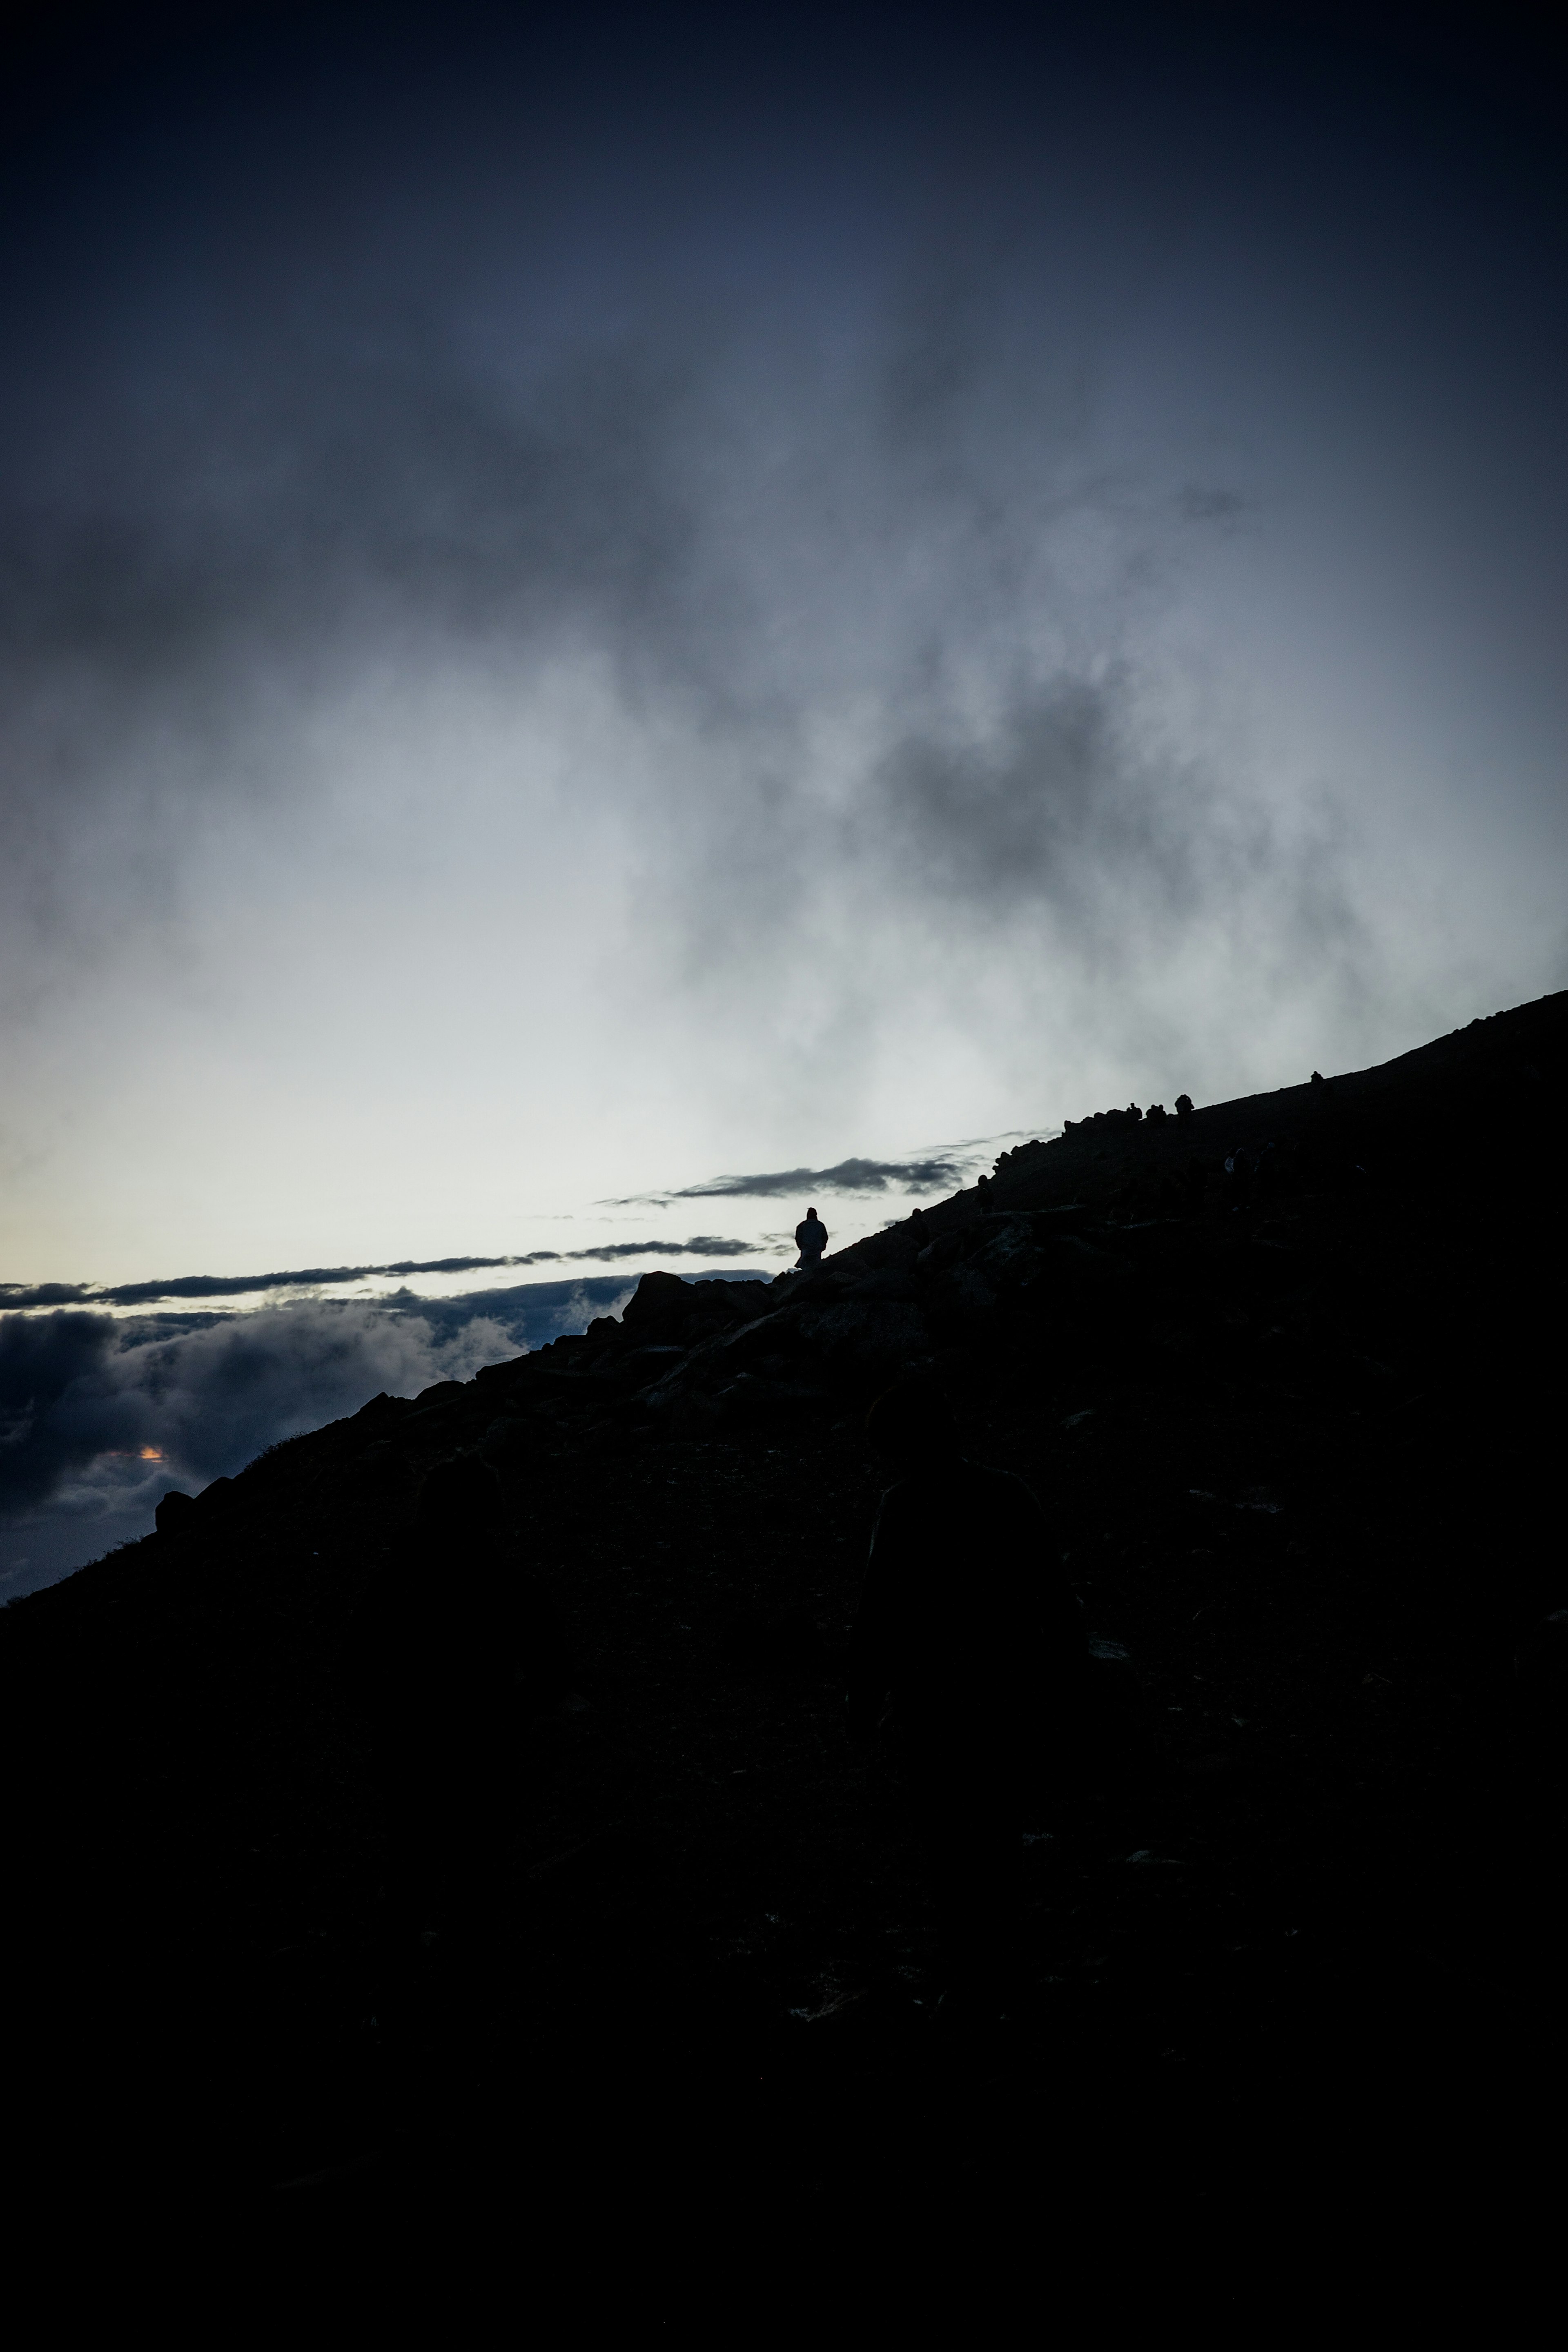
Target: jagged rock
column 382, row 1407
column 1024, row 1258
column 658, row 1300
column 174, row 1511
column 971, row 1293
column 889, row 1282
column 371, row 1467
column 438, row 1410
column 850, row 1337
column 870, row 1338
column 507, row 1442
column 752, row 1396
column 652, row 1363
column 1073, row 1263
column 1010, row 1255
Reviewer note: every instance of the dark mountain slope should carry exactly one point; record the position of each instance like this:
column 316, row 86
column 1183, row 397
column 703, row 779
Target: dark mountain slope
column 1296, row 1425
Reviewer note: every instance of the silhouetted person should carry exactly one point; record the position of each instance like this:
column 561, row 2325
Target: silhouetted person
column 456, row 1649
column 811, row 1240
column 968, row 1648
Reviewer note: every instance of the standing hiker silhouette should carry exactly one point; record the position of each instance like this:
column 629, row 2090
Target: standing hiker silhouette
column 811, row 1240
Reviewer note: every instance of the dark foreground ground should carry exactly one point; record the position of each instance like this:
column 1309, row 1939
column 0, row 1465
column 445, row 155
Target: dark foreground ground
column 1289, row 2010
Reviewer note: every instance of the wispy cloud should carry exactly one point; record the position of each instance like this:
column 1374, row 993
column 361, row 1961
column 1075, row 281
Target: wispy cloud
column 944, row 1170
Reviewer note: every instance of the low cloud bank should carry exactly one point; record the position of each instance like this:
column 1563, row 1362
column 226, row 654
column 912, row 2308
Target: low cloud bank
column 187, row 1405
column 99, row 1416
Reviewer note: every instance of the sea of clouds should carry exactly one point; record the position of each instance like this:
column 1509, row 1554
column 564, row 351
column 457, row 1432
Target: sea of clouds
column 100, row 1416
column 111, row 1394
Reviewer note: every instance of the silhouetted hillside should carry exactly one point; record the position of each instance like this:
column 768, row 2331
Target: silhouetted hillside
column 1296, row 1420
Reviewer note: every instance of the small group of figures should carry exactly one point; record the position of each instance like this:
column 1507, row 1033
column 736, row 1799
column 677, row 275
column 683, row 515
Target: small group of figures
column 1156, row 1114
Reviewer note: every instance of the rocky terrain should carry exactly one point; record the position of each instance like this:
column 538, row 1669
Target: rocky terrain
column 1286, row 1374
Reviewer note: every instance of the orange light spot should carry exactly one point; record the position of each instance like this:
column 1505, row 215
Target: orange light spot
column 150, row 1454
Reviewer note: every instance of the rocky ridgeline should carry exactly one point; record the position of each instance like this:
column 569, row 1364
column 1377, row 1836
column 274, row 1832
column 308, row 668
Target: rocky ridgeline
column 1131, row 1233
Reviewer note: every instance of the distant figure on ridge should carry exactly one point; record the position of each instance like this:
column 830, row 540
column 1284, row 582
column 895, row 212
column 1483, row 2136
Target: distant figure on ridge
column 811, row 1239
column 968, row 1646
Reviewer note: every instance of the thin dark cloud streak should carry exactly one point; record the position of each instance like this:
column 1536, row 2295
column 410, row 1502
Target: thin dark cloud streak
column 931, row 1175
column 16, row 1296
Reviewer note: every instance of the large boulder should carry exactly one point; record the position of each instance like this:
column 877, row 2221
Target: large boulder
column 659, row 1302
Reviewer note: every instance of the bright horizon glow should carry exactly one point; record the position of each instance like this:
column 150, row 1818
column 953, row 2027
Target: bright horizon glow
column 591, row 1241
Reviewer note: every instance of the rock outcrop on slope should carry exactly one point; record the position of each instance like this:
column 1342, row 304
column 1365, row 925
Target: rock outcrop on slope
column 1285, row 1371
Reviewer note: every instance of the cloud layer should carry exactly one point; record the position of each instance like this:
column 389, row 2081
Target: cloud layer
column 100, row 1416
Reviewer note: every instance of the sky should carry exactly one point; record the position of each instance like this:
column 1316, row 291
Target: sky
column 602, row 627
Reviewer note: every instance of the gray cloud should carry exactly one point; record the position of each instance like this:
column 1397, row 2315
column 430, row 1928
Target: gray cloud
column 701, row 1245
column 383, row 486
column 1068, row 805
column 939, row 1171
